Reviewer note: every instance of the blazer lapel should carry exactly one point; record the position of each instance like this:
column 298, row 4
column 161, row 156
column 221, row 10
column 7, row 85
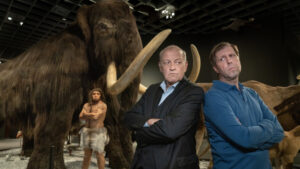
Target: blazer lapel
column 177, row 90
column 156, row 99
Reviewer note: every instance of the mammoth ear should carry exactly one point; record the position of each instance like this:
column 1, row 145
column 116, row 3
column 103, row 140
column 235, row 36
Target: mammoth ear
column 82, row 21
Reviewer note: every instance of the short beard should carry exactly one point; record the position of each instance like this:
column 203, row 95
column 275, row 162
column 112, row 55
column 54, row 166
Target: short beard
column 95, row 101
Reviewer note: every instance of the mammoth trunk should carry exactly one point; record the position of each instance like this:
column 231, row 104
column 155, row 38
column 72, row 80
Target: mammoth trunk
column 102, row 52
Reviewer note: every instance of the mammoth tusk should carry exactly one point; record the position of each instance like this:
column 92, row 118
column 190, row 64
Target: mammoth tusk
column 199, row 140
column 196, row 64
column 142, row 88
column 111, row 77
column 136, row 66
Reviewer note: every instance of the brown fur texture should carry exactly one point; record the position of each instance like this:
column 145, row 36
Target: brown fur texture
column 289, row 112
column 283, row 154
column 46, row 84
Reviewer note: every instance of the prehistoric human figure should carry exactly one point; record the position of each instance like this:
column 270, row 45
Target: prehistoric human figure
column 241, row 128
column 94, row 134
column 165, row 119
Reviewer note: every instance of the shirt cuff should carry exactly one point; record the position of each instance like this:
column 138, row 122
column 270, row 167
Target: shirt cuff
column 146, row 125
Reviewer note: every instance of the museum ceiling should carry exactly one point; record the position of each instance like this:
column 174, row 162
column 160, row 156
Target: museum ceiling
column 25, row 22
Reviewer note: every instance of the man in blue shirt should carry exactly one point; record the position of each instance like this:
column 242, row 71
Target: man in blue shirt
column 240, row 126
column 165, row 119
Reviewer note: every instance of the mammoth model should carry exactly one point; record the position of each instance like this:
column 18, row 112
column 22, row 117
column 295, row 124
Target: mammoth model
column 44, row 86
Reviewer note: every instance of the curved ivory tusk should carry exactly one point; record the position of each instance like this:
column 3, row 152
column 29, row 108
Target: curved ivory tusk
column 196, row 64
column 199, row 136
column 136, row 66
column 111, row 77
column 298, row 77
column 142, row 88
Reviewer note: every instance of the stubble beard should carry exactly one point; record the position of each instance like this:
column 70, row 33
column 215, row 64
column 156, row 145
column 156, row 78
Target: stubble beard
column 233, row 76
column 95, row 101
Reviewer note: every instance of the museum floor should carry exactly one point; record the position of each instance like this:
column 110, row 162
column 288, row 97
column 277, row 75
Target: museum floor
column 10, row 159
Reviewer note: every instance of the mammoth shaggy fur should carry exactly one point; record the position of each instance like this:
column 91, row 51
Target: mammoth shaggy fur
column 43, row 87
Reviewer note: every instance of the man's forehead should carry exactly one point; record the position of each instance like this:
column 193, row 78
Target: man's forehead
column 96, row 91
column 172, row 54
column 225, row 48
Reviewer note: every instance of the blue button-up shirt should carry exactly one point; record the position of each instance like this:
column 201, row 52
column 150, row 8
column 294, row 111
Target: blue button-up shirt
column 166, row 93
column 240, row 126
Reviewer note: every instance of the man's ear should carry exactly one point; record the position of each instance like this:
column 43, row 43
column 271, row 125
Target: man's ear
column 186, row 65
column 216, row 69
column 82, row 21
column 160, row 66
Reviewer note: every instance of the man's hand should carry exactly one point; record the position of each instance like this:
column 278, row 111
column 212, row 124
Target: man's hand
column 286, row 134
column 19, row 134
column 95, row 116
column 152, row 121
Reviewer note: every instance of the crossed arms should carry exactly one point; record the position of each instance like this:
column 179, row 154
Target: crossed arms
column 86, row 112
column 220, row 114
column 176, row 123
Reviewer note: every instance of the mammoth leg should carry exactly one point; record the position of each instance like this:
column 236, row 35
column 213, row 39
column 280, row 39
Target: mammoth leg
column 115, row 153
column 28, row 142
column 128, row 97
column 49, row 135
column 27, row 133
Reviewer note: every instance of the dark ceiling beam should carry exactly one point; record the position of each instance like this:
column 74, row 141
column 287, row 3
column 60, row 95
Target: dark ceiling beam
column 37, row 17
column 294, row 11
column 203, row 24
column 144, row 31
column 21, row 6
column 6, row 3
column 210, row 13
column 42, row 20
column 9, row 42
column 249, row 14
column 8, row 9
column 7, row 35
column 25, row 2
column 21, row 46
column 18, row 28
column 198, row 8
column 177, row 17
column 56, row 25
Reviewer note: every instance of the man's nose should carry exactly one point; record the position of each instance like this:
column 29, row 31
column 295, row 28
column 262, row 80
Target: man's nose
column 172, row 66
column 229, row 59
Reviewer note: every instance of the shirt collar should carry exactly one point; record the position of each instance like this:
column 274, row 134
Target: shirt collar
column 225, row 86
column 164, row 86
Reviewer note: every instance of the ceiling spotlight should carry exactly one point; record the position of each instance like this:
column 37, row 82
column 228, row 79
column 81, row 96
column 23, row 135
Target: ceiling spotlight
column 21, row 23
column 64, row 19
column 14, row 18
column 168, row 11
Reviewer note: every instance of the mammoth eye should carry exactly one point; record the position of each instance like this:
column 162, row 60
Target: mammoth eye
column 102, row 26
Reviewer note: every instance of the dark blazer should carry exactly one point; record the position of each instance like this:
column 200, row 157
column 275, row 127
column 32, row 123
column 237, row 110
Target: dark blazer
column 170, row 142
